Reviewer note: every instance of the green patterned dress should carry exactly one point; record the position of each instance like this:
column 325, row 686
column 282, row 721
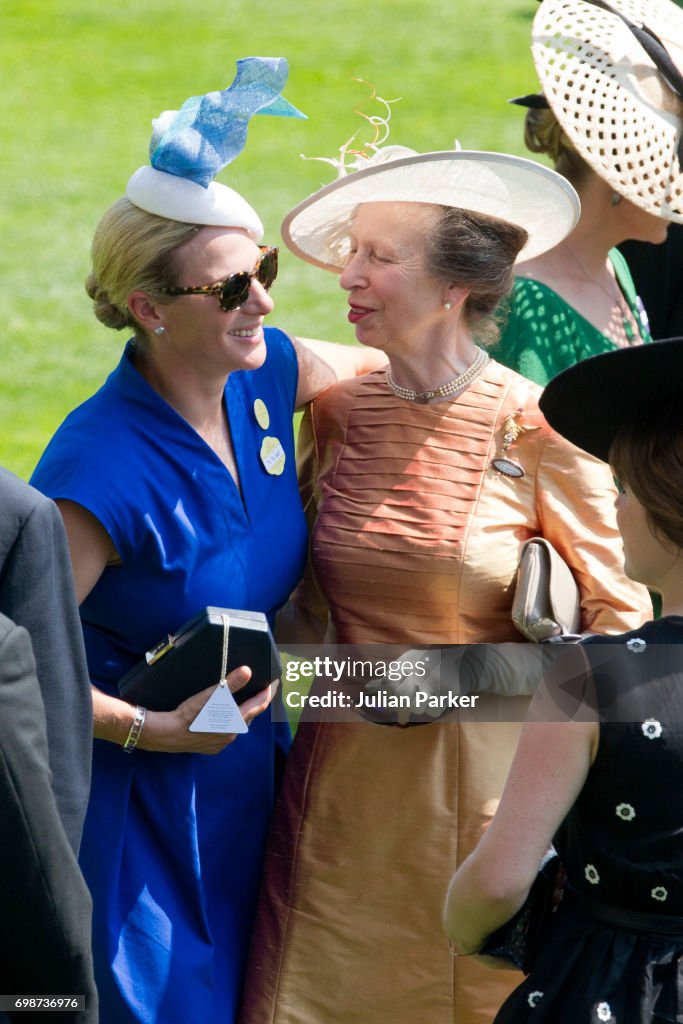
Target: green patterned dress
column 541, row 334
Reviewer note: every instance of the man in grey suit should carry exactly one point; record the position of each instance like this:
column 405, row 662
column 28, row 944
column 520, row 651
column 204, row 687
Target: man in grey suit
column 45, row 907
column 37, row 592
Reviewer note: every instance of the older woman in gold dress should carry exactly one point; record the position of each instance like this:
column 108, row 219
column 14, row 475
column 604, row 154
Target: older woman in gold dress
column 423, row 481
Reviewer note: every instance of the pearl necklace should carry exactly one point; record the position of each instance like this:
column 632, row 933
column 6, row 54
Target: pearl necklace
column 452, row 387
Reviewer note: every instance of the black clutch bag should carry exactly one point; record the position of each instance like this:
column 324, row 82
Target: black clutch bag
column 518, row 939
column 200, row 654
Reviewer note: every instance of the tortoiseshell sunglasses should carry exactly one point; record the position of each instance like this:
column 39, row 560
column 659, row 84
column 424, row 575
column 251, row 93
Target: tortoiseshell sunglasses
column 233, row 292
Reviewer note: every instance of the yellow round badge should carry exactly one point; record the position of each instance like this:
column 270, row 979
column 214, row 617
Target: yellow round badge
column 261, row 413
column 272, row 456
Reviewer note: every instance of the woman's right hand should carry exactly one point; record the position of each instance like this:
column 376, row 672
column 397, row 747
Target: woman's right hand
column 169, row 730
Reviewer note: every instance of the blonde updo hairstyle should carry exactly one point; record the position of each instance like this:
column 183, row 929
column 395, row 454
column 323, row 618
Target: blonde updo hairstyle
column 132, row 250
column 543, row 134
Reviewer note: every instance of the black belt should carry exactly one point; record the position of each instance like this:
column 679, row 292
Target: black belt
column 661, row 924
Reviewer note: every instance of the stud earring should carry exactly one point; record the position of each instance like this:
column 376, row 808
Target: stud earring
column 160, row 329
column 447, row 306
column 616, row 199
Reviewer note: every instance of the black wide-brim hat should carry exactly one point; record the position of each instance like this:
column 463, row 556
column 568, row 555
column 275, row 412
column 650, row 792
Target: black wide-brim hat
column 591, row 401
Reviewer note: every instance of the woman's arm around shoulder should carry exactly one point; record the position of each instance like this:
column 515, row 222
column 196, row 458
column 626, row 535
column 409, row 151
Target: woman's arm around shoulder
column 321, row 363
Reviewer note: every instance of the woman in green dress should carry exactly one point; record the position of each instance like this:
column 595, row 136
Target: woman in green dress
column 578, row 299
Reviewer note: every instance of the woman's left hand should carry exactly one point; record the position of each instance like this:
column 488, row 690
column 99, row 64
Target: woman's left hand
column 169, row 731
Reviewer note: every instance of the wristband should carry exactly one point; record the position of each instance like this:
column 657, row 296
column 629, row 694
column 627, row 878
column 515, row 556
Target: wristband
column 135, row 730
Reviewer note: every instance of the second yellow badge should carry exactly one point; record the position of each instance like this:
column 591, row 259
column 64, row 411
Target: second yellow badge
column 272, row 456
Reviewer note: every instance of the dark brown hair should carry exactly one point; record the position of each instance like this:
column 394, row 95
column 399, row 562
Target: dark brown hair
column 479, row 253
column 647, row 456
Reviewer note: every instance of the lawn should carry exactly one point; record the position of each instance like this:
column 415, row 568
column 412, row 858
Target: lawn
column 82, row 82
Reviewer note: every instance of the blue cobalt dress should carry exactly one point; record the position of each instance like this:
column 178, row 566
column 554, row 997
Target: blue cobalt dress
column 173, row 843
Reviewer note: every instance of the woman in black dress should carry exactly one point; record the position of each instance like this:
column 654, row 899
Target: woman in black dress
column 598, row 767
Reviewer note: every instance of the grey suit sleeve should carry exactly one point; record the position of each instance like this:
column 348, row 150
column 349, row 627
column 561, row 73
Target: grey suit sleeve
column 45, row 907
column 37, row 592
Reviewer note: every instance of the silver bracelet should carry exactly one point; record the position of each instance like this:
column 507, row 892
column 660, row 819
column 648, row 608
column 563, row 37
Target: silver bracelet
column 135, row 730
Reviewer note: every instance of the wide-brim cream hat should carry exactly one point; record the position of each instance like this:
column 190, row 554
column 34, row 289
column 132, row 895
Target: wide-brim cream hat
column 610, row 98
column 509, row 188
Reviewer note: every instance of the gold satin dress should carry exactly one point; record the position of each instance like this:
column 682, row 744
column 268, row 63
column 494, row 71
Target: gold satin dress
column 416, row 540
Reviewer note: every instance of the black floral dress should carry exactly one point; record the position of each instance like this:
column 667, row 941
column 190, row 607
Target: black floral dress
column 613, row 951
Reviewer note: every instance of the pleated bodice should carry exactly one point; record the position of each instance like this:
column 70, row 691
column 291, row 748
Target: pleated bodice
column 417, row 535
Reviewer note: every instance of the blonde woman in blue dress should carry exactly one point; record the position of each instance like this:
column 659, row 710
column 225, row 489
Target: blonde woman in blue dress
column 177, row 486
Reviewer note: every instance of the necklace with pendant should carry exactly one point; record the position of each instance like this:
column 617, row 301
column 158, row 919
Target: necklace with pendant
column 616, row 297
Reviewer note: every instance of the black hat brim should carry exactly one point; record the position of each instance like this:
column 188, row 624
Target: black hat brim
column 591, row 401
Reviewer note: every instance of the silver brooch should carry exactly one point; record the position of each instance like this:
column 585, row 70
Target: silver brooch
column 507, row 467
column 636, row 645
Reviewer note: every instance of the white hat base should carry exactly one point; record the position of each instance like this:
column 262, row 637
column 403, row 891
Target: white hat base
column 175, row 198
column 509, row 188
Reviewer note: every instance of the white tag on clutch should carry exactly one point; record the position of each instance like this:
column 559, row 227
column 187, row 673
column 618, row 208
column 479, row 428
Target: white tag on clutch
column 220, row 713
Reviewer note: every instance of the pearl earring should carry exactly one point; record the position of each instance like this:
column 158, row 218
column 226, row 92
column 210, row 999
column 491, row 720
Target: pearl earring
column 160, row 329
column 447, row 306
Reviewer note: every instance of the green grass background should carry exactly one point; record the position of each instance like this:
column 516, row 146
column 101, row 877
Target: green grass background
column 81, row 82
